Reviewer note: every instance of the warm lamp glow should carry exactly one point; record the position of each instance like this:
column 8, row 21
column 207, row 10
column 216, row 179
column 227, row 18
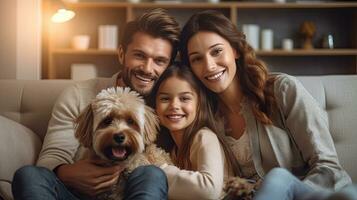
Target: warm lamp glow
column 62, row 15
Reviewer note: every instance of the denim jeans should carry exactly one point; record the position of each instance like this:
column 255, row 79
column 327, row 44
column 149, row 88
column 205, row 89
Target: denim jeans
column 39, row 183
column 280, row 184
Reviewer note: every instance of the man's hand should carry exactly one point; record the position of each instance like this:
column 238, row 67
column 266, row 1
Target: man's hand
column 89, row 177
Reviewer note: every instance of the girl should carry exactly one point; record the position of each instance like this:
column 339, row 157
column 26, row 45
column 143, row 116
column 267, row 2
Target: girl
column 197, row 147
column 270, row 120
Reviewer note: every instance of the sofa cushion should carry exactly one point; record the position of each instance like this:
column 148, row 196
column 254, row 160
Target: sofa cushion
column 337, row 95
column 19, row 146
column 30, row 102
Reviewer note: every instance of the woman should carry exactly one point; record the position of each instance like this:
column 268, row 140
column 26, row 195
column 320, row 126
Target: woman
column 270, row 119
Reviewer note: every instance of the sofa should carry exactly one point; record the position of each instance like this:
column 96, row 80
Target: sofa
column 25, row 109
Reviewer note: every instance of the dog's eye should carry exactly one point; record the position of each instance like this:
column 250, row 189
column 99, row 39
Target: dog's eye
column 130, row 121
column 107, row 121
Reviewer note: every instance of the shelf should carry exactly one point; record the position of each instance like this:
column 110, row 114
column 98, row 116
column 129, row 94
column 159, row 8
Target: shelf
column 85, row 52
column 98, row 5
column 313, row 52
column 203, row 5
column 277, row 52
column 147, row 5
column 296, row 5
column 193, row 5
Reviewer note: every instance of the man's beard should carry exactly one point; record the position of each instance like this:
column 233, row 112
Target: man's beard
column 128, row 74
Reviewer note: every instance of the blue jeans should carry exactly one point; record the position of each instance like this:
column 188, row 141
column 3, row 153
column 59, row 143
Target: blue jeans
column 37, row 183
column 280, row 184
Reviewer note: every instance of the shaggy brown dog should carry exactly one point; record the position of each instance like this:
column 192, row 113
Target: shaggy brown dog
column 119, row 128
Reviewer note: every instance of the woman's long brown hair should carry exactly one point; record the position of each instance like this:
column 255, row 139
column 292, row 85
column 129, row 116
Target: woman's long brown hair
column 205, row 118
column 252, row 73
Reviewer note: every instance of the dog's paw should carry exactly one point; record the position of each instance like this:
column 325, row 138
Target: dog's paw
column 157, row 156
column 240, row 188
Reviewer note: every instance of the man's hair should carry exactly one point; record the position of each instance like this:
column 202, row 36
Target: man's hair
column 157, row 23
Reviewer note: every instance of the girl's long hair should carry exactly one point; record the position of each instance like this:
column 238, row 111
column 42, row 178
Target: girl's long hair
column 252, row 73
column 205, row 118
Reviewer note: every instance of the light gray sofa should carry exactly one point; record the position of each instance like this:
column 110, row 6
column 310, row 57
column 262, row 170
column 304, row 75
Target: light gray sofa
column 25, row 108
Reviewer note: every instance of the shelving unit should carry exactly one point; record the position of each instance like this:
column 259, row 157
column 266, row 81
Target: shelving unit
column 85, row 52
column 277, row 52
column 316, row 52
column 339, row 18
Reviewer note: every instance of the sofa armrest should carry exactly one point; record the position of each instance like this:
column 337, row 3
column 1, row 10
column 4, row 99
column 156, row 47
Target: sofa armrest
column 19, row 146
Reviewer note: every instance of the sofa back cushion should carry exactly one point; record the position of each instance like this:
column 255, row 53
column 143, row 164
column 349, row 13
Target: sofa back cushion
column 27, row 146
column 30, row 102
column 338, row 96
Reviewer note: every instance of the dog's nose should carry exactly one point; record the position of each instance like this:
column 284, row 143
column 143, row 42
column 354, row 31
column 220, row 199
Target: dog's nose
column 119, row 138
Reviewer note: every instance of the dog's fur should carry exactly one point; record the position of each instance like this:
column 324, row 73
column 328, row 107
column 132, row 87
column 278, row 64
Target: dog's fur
column 119, row 128
column 237, row 188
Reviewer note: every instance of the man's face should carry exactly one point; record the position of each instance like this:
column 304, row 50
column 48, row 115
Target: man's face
column 144, row 60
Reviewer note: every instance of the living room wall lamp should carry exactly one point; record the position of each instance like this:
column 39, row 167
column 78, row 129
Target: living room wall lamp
column 62, row 14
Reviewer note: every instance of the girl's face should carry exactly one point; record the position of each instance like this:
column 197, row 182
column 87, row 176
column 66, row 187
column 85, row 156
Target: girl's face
column 212, row 60
column 176, row 104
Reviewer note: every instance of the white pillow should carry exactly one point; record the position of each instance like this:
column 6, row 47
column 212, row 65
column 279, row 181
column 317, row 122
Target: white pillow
column 19, row 146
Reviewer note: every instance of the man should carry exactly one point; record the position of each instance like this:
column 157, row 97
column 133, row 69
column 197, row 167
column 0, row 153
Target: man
column 147, row 48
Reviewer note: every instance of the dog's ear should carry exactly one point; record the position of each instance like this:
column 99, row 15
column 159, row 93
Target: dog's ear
column 151, row 125
column 84, row 127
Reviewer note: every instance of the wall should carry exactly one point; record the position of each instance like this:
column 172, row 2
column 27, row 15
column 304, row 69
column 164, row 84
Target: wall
column 28, row 39
column 20, row 50
column 8, row 41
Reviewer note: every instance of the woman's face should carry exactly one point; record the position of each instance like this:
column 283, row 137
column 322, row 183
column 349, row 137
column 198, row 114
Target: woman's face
column 212, row 60
column 176, row 104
